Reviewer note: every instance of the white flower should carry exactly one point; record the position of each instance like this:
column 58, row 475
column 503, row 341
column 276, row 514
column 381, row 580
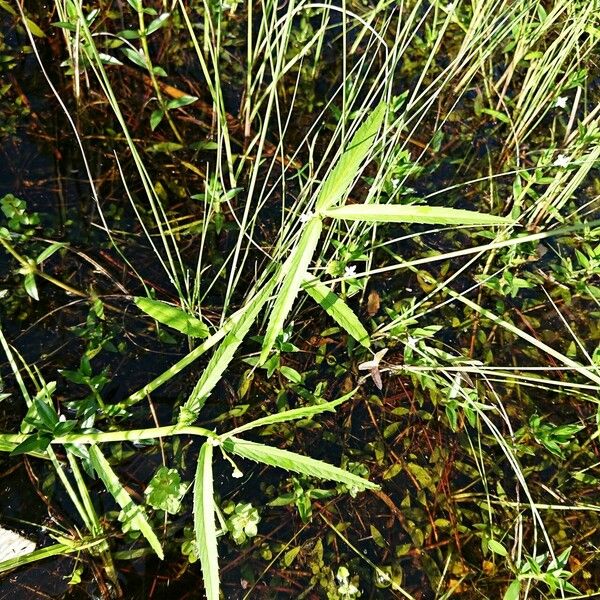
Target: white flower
column 307, row 216
column 237, row 473
column 562, row 160
column 350, row 271
column 561, row 102
column 395, row 182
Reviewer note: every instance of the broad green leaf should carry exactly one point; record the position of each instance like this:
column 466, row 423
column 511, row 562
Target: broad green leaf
column 135, row 56
column 338, row 310
column 513, row 591
column 30, row 286
column 295, row 268
column 34, row 28
column 296, row 413
column 173, row 317
column 123, row 499
column 290, row 461
column 33, row 443
column 351, row 161
column 420, row 474
column 396, row 213
column 497, row 548
column 8, row 8
column 157, row 23
column 46, row 413
column 224, row 354
column 204, row 522
column 155, row 118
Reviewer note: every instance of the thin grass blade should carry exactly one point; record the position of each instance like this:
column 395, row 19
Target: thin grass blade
column 295, row 271
column 337, row 309
column 394, row 213
column 290, row 461
column 123, row 499
column 341, row 177
column 223, row 355
column 204, row 522
column 173, row 317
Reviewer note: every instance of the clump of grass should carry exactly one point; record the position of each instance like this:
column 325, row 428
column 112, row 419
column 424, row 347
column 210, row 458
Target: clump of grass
column 454, row 402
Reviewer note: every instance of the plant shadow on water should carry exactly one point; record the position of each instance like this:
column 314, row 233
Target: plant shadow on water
column 478, row 420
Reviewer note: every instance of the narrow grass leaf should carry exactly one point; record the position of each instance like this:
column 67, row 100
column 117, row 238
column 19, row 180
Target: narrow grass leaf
column 351, row 161
column 43, row 553
column 394, row 213
column 296, row 413
column 223, row 355
column 136, row 513
column 172, row 316
column 290, row 461
column 338, row 310
column 204, row 522
column 295, row 268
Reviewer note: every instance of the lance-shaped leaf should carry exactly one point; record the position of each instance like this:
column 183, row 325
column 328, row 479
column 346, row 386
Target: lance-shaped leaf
column 295, row 268
column 351, row 161
column 224, row 354
column 395, row 213
column 204, row 522
column 290, row 461
column 336, row 308
column 295, row 413
column 173, row 317
column 135, row 514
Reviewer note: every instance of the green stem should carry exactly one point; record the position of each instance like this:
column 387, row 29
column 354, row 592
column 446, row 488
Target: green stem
column 132, row 435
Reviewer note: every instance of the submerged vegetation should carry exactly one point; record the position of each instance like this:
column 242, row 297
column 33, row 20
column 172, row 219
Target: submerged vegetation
column 300, row 299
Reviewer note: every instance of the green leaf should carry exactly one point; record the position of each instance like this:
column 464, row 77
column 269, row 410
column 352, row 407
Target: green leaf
column 295, row 268
column 296, row 413
column 157, row 23
column 49, row 251
column 30, row 286
column 33, row 443
column 181, row 101
column 420, row 474
column 290, row 461
column 377, row 537
column 35, row 29
column 291, row 374
column 290, row 556
column 238, row 329
column 500, row 116
column 135, row 56
column 352, row 159
column 338, row 310
column 63, row 25
column 123, row 499
column 513, row 591
column 396, row 213
column 166, row 147
column 155, row 118
column 46, row 413
column 497, row 548
column 173, row 317
column 204, row 522
column 165, row 490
